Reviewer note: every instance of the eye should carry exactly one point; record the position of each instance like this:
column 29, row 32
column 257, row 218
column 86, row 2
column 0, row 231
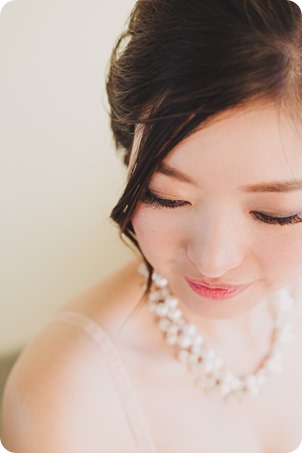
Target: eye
column 151, row 199
column 265, row 218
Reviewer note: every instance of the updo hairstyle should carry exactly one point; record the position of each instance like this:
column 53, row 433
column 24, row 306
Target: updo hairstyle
column 180, row 63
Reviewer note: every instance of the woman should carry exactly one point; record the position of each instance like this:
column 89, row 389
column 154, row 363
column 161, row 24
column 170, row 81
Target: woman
column 199, row 350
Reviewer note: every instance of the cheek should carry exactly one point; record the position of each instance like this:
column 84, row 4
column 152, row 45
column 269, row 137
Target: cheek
column 157, row 232
column 281, row 255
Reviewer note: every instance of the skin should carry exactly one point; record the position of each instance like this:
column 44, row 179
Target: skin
column 214, row 235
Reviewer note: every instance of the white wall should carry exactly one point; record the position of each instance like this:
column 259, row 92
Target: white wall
column 59, row 173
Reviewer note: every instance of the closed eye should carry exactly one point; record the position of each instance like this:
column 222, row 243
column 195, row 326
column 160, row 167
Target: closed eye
column 152, row 199
column 265, row 218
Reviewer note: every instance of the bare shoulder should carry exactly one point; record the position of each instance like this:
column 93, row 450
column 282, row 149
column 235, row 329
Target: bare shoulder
column 60, row 393
column 110, row 301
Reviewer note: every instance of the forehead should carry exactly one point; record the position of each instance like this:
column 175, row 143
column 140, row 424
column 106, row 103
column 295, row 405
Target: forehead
column 249, row 126
column 250, row 140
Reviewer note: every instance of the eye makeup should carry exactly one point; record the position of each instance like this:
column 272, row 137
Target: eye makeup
column 265, row 218
column 158, row 202
column 151, row 199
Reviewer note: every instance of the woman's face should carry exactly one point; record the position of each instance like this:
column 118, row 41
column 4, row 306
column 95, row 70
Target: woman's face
column 217, row 211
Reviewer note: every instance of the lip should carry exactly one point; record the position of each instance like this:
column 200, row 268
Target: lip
column 223, row 291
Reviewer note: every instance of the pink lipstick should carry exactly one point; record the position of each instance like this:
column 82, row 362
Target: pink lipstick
column 223, row 291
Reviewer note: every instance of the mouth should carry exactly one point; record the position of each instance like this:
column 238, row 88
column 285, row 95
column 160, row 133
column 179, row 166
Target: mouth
column 224, row 291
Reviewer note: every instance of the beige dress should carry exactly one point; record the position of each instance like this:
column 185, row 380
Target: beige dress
column 134, row 416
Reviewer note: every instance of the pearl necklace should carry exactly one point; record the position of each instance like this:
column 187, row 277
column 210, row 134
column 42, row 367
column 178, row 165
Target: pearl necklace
column 202, row 361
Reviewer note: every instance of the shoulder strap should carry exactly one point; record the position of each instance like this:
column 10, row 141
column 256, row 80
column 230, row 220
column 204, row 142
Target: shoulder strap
column 119, row 374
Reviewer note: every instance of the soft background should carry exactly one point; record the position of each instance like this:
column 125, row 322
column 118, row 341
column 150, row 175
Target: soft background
column 59, row 173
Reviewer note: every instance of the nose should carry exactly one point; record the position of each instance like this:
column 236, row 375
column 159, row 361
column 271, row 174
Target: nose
column 217, row 245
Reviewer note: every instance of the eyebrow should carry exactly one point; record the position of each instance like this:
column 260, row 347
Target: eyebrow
column 274, row 186
column 165, row 169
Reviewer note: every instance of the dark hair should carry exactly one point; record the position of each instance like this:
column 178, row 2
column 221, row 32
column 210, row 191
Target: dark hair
column 180, row 63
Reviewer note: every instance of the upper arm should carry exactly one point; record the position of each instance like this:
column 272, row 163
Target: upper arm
column 29, row 419
column 60, row 398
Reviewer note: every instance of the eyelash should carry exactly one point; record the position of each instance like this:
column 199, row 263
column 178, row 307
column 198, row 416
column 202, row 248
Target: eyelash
column 277, row 220
column 151, row 199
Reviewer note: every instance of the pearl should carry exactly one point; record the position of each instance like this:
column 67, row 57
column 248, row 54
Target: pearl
column 172, row 339
column 190, row 330
column 164, row 324
column 184, row 341
column 171, row 302
column 175, row 313
column 161, row 309
column 183, row 356
column 202, row 361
